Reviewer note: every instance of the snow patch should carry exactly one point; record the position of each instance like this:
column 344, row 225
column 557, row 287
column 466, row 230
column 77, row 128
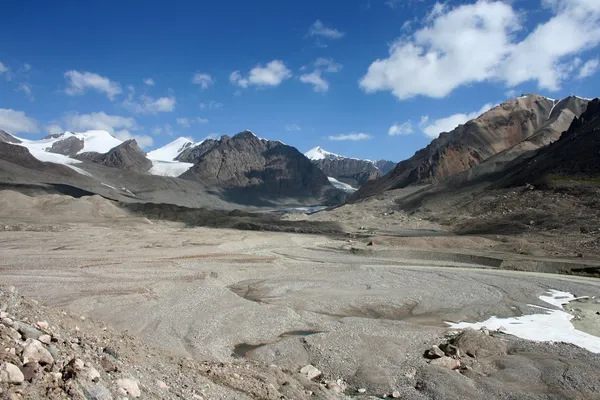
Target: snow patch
column 107, row 185
column 169, row 168
column 551, row 326
column 341, row 185
column 45, row 156
column 170, row 151
column 319, row 153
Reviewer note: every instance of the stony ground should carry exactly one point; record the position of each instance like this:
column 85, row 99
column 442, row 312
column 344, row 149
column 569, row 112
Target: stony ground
column 229, row 314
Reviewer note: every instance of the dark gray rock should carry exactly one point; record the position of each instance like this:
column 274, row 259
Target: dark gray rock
column 352, row 171
column 126, row 156
column 385, row 166
column 258, row 169
column 192, row 154
column 27, row 331
column 6, row 137
column 69, row 146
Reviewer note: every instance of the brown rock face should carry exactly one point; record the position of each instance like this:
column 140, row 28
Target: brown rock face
column 69, row 146
column 504, row 127
column 127, row 156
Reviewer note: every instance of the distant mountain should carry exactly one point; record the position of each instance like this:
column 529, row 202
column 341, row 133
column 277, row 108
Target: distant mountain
column 171, row 151
column 508, row 131
column 6, row 137
column 126, row 156
column 245, row 165
column 351, row 171
column 385, row 166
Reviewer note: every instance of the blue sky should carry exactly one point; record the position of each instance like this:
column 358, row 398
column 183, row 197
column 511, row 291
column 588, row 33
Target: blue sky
column 365, row 78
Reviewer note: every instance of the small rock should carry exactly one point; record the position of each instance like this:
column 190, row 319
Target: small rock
column 93, row 374
column 362, row 390
column 27, row 331
column 46, row 339
column 10, row 373
column 311, row 372
column 97, row 393
column 108, row 365
column 371, row 243
column 111, row 352
column 42, row 324
column 8, row 322
column 3, row 314
column 53, row 350
column 130, row 387
column 30, row 370
column 161, row 385
column 434, row 352
column 395, row 394
column 36, row 352
column 446, row 362
column 451, row 350
column 334, row 387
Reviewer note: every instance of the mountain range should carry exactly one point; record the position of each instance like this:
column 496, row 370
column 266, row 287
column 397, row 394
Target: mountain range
column 245, row 169
column 352, row 171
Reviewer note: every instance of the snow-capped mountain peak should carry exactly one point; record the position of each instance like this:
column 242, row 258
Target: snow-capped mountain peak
column 318, row 153
column 170, row 151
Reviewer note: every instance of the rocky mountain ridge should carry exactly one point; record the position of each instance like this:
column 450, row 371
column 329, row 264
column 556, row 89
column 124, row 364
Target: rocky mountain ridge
column 511, row 129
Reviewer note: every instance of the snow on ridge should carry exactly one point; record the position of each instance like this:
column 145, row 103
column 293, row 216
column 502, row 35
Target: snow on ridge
column 551, row 326
column 319, row 153
column 169, row 168
column 341, row 185
column 171, row 150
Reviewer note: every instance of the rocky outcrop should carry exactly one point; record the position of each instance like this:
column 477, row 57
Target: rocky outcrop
column 68, row 147
column 6, row 137
column 385, row 166
column 245, row 165
column 126, row 156
column 352, row 171
column 192, row 154
column 523, row 124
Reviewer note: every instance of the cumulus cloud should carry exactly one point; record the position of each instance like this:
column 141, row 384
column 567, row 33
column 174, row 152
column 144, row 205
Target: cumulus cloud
column 589, row 68
column 434, row 128
column 149, row 82
column 315, row 79
column 401, row 129
column 145, row 104
column 477, row 42
column 270, row 75
column 13, row 121
column 118, row 126
column 204, row 80
column 54, row 129
column 350, row 136
column 292, row 128
column 318, row 28
column 79, row 82
column 3, row 68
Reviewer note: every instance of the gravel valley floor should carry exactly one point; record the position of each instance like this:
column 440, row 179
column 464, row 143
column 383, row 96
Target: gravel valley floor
column 363, row 315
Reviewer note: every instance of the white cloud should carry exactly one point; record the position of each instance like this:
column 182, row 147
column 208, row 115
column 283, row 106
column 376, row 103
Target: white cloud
column 80, row 82
column 3, row 68
column 13, row 121
column 118, row 126
column 149, row 105
column 292, row 128
column 26, row 67
column 149, row 82
column 512, row 93
column 211, row 104
column 185, row 122
column 351, row 136
column 25, row 88
column 315, row 79
column 188, row 122
column 142, row 140
column 318, row 28
column 204, row 80
column 401, row 129
column 166, row 128
column 589, row 68
column 54, row 129
column 273, row 74
column 434, row 128
column 477, row 42
column 328, row 65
